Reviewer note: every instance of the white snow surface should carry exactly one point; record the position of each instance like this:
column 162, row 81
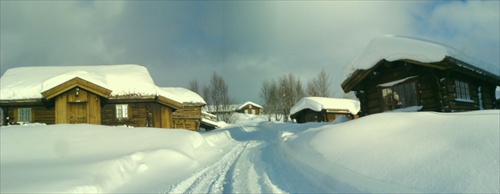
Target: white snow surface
column 181, row 95
column 393, row 48
column 30, row 82
column 320, row 103
column 419, row 152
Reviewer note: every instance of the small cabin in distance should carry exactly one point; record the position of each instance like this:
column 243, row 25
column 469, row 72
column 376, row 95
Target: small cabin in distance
column 405, row 74
column 250, row 108
column 320, row 109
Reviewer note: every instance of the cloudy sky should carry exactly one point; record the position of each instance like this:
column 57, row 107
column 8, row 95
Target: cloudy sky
column 246, row 42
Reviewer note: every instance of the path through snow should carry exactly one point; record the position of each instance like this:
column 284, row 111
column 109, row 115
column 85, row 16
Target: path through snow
column 255, row 164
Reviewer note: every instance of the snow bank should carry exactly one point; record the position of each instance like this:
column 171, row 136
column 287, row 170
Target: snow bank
column 393, row 48
column 95, row 159
column 403, row 152
column 39, row 79
column 320, row 103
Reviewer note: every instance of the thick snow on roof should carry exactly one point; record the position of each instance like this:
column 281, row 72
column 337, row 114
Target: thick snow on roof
column 320, row 103
column 248, row 103
column 392, row 48
column 30, row 82
column 181, row 95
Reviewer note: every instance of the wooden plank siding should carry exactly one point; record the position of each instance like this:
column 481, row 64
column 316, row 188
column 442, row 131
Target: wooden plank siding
column 140, row 114
column 78, row 106
column 39, row 114
column 188, row 117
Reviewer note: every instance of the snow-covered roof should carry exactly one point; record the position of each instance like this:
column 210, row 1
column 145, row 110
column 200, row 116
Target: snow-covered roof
column 249, row 103
column 181, row 95
column 320, row 103
column 30, row 82
column 393, row 48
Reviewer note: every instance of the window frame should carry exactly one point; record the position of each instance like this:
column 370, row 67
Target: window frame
column 409, row 94
column 462, row 91
column 120, row 113
column 22, row 118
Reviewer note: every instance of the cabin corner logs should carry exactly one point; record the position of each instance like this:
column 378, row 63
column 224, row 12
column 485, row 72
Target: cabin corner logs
column 439, row 87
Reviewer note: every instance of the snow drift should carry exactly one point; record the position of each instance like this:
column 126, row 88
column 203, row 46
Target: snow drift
column 421, row 152
column 403, row 152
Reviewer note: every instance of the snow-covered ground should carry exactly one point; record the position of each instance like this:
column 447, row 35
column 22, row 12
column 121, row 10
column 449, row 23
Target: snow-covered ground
column 388, row 152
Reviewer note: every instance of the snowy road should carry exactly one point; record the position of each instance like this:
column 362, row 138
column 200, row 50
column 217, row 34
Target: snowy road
column 254, row 165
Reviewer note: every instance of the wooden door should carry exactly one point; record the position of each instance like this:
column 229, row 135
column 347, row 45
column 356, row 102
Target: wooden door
column 78, row 112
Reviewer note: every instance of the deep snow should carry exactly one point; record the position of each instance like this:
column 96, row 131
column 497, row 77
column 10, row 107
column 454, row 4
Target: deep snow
column 388, row 152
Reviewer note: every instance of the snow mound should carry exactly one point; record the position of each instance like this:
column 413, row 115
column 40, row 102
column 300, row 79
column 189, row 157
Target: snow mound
column 320, row 103
column 404, row 152
column 102, row 159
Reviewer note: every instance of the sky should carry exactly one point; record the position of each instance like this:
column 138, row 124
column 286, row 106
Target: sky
column 246, row 42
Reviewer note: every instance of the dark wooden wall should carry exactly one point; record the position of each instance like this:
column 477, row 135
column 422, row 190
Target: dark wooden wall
column 39, row 114
column 140, row 114
column 309, row 115
column 435, row 89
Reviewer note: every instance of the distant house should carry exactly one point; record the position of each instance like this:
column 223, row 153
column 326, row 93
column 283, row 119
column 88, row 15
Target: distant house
column 249, row 108
column 405, row 74
column 106, row 95
column 319, row 109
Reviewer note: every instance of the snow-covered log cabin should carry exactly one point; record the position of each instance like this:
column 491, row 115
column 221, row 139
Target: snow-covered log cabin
column 189, row 116
column 320, row 109
column 107, row 95
column 249, row 108
column 404, row 74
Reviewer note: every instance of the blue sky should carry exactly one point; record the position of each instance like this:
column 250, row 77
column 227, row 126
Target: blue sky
column 246, row 42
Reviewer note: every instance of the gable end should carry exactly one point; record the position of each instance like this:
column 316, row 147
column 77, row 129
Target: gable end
column 76, row 82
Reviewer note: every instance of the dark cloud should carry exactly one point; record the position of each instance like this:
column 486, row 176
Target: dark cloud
column 244, row 41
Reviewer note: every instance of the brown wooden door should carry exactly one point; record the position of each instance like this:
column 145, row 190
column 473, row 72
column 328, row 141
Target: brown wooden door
column 78, row 113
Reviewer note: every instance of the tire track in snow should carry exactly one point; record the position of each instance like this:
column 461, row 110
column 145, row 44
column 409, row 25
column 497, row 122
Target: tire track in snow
column 211, row 179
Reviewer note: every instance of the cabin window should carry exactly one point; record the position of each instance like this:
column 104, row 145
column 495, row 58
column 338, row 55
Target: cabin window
column 24, row 115
column 400, row 96
column 121, row 111
column 462, row 91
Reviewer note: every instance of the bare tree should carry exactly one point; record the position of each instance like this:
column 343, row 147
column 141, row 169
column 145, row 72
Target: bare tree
column 270, row 94
column 319, row 86
column 206, row 97
column 299, row 91
column 218, row 96
column 194, row 86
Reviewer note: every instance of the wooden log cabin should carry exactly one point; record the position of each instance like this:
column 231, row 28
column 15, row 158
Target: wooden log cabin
column 249, row 108
column 320, row 109
column 105, row 95
column 405, row 74
column 189, row 116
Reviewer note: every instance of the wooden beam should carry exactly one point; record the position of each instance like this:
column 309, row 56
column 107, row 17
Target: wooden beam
column 169, row 102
